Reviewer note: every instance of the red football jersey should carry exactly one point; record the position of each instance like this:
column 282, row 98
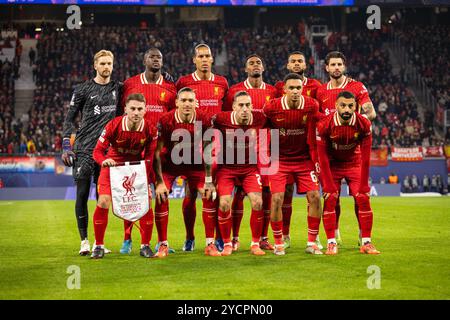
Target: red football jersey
column 243, row 152
column 259, row 96
column 345, row 145
column 122, row 145
column 167, row 130
column 310, row 87
column 209, row 93
column 326, row 95
column 296, row 127
column 159, row 97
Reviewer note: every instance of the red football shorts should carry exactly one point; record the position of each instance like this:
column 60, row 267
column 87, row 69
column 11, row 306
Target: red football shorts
column 301, row 173
column 195, row 178
column 227, row 177
column 351, row 173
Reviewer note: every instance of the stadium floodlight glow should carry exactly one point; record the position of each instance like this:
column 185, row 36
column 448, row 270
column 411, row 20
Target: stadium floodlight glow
column 38, row 29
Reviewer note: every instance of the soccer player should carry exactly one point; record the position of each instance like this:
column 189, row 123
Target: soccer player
column 97, row 102
column 239, row 131
column 184, row 119
column 159, row 95
column 296, row 64
column 344, row 141
column 294, row 116
column 335, row 65
column 126, row 138
column 210, row 90
column 260, row 92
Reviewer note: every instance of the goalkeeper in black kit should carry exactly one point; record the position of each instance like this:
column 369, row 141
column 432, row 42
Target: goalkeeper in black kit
column 97, row 102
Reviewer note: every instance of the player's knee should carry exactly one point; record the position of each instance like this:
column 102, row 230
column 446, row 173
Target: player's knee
column 224, row 204
column 104, row 201
column 313, row 198
column 256, row 203
column 277, row 200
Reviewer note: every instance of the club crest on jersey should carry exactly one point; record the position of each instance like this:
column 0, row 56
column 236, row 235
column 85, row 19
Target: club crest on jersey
column 305, row 117
column 267, row 98
column 356, row 135
column 308, row 92
column 114, row 95
column 162, row 96
column 143, row 141
column 216, row 91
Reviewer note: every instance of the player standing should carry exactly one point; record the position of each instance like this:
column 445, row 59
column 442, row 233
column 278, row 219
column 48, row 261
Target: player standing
column 182, row 120
column 97, row 102
column 296, row 64
column 210, row 90
column 344, row 142
column 294, row 116
column 239, row 129
column 260, row 93
column 335, row 65
column 125, row 139
column 159, row 96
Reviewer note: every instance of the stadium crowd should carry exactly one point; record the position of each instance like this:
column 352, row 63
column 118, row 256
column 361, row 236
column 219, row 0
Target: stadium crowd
column 63, row 60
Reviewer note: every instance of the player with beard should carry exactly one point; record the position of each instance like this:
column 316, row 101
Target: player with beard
column 210, row 90
column 344, row 142
column 97, row 101
column 294, row 116
column 260, row 93
column 159, row 95
column 296, row 64
column 335, row 65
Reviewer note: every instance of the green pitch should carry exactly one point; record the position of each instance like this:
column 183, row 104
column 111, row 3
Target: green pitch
column 39, row 242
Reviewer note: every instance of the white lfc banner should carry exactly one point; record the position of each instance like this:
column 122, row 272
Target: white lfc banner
column 129, row 191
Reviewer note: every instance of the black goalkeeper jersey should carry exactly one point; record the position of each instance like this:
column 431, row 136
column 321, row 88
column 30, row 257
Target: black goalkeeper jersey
column 97, row 104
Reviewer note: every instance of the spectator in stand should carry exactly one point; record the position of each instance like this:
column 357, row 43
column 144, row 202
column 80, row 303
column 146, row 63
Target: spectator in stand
column 382, row 180
column 426, row 183
column 393, row 178
column 407, row 185
column 414, row 183
column 434, row 184
column 440, row 185
column 32, row 56
column 2, row 185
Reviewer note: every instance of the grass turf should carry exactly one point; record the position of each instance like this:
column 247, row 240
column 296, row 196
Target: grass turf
column 40, row 241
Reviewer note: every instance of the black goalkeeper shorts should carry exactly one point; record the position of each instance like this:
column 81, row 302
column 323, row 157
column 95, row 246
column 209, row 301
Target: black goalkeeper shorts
column 85, row 167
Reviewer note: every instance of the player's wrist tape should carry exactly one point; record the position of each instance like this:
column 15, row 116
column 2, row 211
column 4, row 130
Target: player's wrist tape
column 66, row 145
column 208, row 179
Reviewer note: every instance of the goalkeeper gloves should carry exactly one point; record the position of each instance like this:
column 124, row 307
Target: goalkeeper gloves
column 68, row 156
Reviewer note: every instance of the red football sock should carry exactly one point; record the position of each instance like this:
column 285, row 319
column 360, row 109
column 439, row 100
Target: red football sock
column 209, row 215
column 256, row 223
column 189, row 215
column 286, row 209
column 277, row 229
column 224, row 218
column 127, row 228
column 313, row 228
column 237, row 211
column 329, row 218
column 357, row 215
column 365, row 218
column 146, row 227
column 267, row 204
column 338, row 212
column 162, row 219
column 100, row 223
